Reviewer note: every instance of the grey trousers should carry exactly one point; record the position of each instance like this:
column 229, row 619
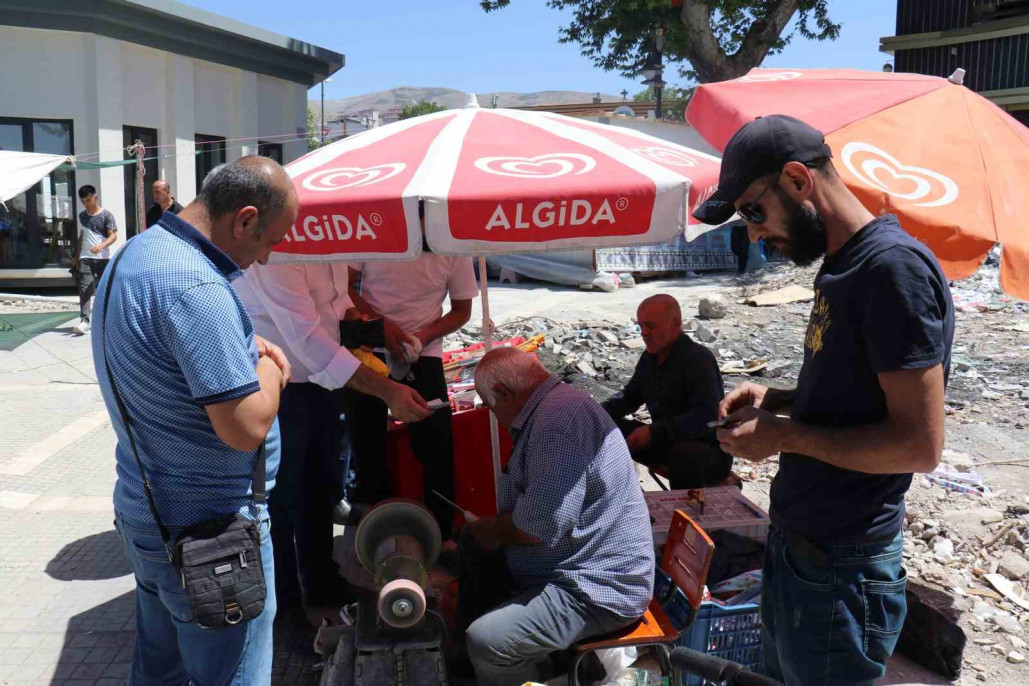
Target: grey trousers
column 87, row 277
column 508, row 644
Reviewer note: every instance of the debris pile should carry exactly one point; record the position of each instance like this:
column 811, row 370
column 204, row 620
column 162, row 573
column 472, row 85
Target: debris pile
column 966, row 533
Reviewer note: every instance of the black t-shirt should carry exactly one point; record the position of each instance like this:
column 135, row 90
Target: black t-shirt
column 881, row 304
column 682, row 394
column 154, row 213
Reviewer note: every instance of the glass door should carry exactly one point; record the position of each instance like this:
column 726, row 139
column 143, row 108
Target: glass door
column 37, row 227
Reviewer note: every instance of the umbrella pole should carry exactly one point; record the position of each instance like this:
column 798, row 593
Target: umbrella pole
column 487, row 337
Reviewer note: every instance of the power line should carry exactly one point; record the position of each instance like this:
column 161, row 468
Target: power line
column 295, row 137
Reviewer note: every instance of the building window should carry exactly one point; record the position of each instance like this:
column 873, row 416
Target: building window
column 148, row 137
column 37, row 228
column 272, row 150
column 210, row 153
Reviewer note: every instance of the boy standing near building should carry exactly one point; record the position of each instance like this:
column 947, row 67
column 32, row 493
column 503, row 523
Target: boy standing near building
column 98, row 230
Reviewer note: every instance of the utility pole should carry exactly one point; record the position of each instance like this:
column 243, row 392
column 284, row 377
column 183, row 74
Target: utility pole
column 140, row 151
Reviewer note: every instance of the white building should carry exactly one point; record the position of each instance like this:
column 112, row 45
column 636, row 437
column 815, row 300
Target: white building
column 89, row 78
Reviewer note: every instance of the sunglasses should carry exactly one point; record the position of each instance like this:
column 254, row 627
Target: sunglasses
column 751, row 212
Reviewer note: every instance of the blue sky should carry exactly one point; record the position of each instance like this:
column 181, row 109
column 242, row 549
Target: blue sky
column 454, row 44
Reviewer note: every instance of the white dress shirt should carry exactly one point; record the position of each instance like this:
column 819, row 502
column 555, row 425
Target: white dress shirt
column 298, row 307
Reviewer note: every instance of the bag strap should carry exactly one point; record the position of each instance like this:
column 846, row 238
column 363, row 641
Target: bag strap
column 258, row 492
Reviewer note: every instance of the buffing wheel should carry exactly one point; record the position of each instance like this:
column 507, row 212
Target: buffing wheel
column 401, row 603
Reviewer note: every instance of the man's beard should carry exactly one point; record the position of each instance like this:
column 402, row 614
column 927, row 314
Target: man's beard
column 806, row 239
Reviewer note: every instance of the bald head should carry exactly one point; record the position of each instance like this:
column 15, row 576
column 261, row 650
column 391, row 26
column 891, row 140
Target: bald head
column 660, row 320
column 162, row 193
column 662, row 305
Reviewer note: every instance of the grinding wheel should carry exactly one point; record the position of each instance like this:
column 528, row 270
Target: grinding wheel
column 397, row 517
column 401, row 603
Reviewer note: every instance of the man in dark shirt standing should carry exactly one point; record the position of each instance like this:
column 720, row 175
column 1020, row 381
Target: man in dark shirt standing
column 163, row 202
column 681, row 384
column 866, row 414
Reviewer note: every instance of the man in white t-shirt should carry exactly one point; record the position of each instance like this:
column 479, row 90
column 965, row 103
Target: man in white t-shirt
column 98, row 230
column 409, row 296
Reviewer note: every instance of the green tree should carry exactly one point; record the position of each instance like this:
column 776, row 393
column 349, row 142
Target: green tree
column 314, row 138
column 418, row 109
column 710, row 40
column 673, row 101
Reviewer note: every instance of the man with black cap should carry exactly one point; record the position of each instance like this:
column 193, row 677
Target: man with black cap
column 866, row 414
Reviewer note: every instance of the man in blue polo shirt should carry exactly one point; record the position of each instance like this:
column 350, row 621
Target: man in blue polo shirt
column 202, row 392
column 867, row 412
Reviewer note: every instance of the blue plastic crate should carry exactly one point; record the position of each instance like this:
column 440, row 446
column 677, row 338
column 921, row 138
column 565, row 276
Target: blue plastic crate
column 731, row 633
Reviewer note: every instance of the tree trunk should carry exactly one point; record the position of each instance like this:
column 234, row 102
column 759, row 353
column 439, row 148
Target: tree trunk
column 706, row 55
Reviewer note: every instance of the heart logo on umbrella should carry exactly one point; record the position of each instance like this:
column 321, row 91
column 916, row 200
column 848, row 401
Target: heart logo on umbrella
column 540, row 167
column 765, row 76
column 877, row 168
column 351, row 177
column 673, row 158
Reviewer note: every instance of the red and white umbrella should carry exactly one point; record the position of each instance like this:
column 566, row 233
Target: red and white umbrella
column 492, row 181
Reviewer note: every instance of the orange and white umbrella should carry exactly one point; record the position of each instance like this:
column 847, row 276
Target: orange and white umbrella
column 491, row 181
column 949, row 162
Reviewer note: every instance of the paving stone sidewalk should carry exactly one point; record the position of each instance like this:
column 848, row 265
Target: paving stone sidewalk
column 67, row 603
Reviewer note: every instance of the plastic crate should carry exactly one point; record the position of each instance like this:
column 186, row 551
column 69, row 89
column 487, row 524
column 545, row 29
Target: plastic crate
column 727, row 509
column 731, row 633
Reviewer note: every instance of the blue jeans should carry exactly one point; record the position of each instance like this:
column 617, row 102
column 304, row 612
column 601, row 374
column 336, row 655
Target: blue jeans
column 831, row 614
column 170, row 649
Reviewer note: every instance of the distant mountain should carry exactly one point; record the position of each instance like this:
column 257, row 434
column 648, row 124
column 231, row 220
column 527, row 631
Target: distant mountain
column 449, row 98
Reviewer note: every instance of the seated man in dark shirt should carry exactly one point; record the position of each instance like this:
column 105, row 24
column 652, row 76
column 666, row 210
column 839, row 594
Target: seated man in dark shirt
column 681, row 384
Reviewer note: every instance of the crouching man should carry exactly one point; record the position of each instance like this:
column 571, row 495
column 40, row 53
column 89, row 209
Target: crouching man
column 571, row 555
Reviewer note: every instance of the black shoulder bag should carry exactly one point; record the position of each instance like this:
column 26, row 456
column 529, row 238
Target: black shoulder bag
column 219, row 561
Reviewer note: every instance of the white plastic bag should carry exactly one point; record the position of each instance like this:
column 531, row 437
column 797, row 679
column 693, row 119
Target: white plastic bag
column 616, row 663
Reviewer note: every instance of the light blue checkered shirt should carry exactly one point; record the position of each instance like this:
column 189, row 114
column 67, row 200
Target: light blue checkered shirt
column 178, row 339
column 571, row 483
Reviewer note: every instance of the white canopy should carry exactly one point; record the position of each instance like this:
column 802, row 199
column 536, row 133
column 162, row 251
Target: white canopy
column 20, row 171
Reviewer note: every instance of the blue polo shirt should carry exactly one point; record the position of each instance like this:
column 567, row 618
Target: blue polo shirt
column 178, row 339
column 571, row 483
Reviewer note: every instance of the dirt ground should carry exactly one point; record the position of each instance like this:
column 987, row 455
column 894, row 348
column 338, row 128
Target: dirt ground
column 589, row 343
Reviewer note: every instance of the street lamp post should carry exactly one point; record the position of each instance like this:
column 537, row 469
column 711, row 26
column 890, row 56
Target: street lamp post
column 322, row 123
column 653, row 69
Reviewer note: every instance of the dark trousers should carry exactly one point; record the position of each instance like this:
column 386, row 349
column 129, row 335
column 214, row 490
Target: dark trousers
column 739, row 240
column 431, row 441
column 87, row 276
column 308, row 485
column 690, row 464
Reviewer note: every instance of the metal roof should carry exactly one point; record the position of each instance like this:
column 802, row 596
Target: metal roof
column 178, row 28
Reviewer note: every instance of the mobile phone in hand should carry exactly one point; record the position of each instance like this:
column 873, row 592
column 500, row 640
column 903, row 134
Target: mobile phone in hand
column 437, row 404
column 355, row 333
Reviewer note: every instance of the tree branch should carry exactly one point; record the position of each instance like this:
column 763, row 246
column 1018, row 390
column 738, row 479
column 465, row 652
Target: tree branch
column 706, row 54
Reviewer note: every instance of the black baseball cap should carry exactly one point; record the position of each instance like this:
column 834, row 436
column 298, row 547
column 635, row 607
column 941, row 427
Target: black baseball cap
column 759, row 148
